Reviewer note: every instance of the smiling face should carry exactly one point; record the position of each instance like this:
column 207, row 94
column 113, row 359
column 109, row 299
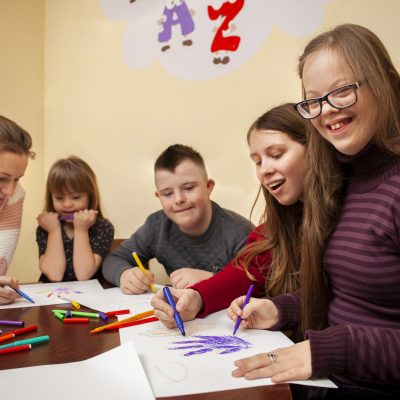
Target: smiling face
column 66, row 203
column 280, row 164
column 349, row 130
column 185, row 196
column 12, row 168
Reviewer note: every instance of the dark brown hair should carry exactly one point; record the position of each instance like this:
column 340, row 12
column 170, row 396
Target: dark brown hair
column 171, row 157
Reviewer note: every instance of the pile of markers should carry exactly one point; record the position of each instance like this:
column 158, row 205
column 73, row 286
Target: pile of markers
column 19, row 345
column 78, row 317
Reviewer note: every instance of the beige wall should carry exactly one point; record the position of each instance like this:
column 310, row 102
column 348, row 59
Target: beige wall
column 21, row 99
column 119, row 119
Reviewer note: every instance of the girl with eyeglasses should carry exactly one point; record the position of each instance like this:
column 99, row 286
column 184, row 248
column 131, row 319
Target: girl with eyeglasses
column 15, row 150
column 349, row 307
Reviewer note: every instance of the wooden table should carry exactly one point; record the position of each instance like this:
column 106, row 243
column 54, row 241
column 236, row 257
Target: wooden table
column 74, row 343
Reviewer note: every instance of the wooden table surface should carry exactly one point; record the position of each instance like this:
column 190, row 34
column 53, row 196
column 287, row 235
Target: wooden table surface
column 74, row 343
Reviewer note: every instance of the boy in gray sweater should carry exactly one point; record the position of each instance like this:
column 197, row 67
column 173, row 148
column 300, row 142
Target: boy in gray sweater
column 192, row 236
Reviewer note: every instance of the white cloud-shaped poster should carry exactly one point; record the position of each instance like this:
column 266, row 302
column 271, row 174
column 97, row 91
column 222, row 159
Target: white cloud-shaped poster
column 202, row 39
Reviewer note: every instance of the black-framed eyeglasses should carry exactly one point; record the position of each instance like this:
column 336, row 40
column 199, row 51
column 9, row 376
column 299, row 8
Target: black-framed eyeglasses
column 342, row 97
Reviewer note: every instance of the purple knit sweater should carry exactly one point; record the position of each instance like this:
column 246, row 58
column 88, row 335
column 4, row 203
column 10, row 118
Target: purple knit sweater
column 361, row 346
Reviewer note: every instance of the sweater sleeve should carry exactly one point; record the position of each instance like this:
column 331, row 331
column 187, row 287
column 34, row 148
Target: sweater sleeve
column 121, row 259
column 231, row 282
column 370, row 354
column 10, row 227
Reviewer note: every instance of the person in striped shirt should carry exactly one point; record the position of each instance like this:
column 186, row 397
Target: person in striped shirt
column 351, row 95
column 15, row 150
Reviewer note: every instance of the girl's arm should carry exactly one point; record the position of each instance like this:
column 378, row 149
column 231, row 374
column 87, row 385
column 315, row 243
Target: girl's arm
column 52, row 260
column 85, row 262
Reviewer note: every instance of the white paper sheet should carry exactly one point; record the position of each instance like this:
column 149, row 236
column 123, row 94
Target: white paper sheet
column 44, row 294
column 113, row 299
column 171, row 373
column 116, row 374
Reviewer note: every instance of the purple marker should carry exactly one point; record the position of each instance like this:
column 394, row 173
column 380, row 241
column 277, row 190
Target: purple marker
column 246, row 300
column 66, row 217
column 14, row 323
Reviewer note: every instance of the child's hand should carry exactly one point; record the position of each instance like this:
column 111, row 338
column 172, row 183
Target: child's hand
column 258, row 313
column 184, row 277
column 7, row 296
column 85, row 218
column 134, row 281
column 188, row 304
column 48, row 221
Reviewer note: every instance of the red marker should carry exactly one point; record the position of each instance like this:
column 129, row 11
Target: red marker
column 15, row 348
column 11, row 335
column 75, row 320
column 118, row 312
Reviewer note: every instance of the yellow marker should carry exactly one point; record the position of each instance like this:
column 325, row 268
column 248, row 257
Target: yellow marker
column 124, row 321
column 143, row 269
column 76, row 305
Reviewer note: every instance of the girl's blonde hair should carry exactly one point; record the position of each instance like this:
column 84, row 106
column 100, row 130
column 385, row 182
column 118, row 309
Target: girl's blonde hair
column 69, row 175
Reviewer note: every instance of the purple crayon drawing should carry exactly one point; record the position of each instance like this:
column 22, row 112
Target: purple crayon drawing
column 205, row 344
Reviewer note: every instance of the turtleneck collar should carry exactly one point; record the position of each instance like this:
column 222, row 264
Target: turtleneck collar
column 369, row 168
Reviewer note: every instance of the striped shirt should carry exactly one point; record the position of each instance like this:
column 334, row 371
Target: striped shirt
column 10, row 226
column 361, row 346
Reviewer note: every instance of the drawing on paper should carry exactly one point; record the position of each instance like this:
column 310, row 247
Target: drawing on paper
column 59, row 291
column 173, row 372
column 191, row 330
column 205, row 344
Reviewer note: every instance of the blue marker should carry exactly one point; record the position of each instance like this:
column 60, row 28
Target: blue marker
column 24, row 295
column 246, row 300
column 177, row 317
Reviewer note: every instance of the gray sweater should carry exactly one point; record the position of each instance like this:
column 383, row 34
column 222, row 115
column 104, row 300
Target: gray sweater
column 162, row 239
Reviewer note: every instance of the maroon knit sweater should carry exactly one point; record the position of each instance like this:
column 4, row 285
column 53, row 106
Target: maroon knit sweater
column 231, row 282
column 361, row 346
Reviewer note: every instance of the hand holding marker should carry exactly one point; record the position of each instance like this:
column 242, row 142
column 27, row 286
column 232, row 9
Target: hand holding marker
column 246, row 300
column 171, row 302
column 142, row 268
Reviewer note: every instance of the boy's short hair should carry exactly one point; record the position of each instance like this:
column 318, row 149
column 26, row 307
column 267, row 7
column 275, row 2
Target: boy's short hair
column 170, row 158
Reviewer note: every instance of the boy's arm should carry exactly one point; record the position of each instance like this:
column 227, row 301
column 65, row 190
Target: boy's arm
column 120, row 260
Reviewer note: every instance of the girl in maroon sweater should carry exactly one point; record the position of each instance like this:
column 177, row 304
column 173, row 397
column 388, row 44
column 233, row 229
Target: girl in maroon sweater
column 352, row 327
column 271, row 257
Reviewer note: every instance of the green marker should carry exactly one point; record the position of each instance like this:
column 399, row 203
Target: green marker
column 35, row 340
column 58, row 315
column 78, row 313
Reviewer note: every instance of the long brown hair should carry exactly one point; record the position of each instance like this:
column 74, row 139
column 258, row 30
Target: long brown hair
column 368, row 60
column 72, row 174
column 279, row 225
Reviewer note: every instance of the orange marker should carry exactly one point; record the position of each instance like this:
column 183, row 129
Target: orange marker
column 125, row 321
column 125, row 325
column 11, row 335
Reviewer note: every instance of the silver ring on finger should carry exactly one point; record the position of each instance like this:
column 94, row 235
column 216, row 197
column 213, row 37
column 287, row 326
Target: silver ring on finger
column 273, row 357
